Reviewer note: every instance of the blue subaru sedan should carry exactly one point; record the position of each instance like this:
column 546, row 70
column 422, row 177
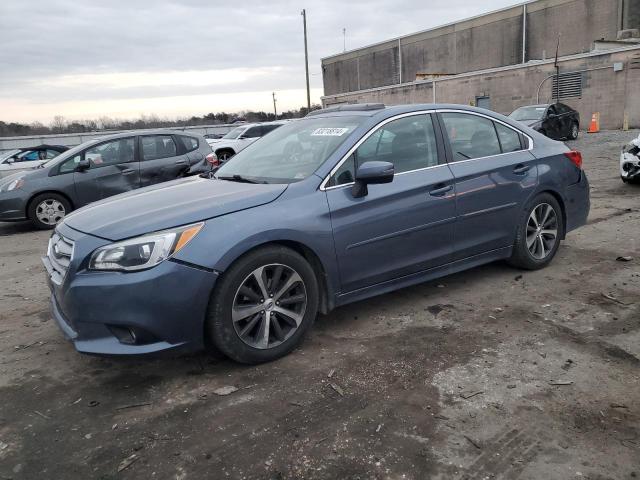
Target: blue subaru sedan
column 347, row 203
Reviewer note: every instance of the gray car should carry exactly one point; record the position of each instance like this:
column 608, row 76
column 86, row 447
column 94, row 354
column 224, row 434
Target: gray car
column 99, row 169
column 337, row 207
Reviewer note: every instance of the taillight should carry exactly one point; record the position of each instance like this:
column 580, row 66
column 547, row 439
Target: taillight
column 575, row 157
column 212, row 159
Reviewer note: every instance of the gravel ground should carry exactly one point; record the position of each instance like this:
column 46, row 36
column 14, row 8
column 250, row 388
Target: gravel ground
column 491, row 373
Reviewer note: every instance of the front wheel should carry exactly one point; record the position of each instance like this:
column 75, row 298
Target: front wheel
column 224, row 155
column 263, row 305
column 575, row 131
column 47, row 210
column 539, row 232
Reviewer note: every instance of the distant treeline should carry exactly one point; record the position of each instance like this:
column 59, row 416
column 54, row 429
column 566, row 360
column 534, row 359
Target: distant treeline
column 62, row 125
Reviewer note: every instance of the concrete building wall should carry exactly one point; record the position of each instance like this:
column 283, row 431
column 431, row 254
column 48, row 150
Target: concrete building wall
column 605, row 91
column 578, row 23
column 489, row 41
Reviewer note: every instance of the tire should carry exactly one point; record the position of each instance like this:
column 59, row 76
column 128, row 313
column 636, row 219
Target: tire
column 46, row 210
column 224, row 155
column 243, row 340
column 575, row 131
column 537, row 254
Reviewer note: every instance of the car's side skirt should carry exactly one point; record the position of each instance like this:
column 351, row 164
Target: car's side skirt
column 424, row 276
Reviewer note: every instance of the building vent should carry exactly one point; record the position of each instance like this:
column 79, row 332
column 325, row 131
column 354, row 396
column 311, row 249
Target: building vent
column 570, row 86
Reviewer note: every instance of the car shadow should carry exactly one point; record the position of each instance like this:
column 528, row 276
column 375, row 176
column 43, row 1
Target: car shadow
column 11, row 228
column 432, row 296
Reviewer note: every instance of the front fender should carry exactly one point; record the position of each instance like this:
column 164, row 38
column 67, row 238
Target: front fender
column 300, row 220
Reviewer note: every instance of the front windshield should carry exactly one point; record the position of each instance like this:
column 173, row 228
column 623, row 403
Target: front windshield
column 292, row 152
column 235, row 133
column 528, row 113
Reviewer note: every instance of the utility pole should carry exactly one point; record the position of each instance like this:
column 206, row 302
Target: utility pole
column 306, row 58
column 557, row 65
column 275, row 110
column 344, row 39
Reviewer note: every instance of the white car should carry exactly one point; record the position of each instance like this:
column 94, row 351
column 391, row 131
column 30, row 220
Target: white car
column 21, row 159
column 240, row 138
column 630, row 161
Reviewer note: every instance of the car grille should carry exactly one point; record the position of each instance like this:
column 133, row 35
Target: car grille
column 59, row 253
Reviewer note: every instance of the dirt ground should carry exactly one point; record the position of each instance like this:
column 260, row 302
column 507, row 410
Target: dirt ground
column 491, row 373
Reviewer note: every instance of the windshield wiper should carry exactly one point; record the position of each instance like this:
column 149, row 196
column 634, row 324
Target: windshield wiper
column 239, row 178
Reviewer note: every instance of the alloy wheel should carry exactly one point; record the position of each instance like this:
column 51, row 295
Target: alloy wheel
column 269, row 306
column 542, row 231
column 50, row 211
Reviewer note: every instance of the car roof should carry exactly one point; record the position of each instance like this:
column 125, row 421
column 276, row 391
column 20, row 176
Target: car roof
column 44, row 146
column 371, row 110
column 130, row 133
column 542, row 105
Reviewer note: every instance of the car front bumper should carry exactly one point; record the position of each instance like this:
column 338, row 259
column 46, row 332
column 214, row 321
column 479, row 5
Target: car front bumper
column 114, row 313
column 629, row 166
column 13, row 206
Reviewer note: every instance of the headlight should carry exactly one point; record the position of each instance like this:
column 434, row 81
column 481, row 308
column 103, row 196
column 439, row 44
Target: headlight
column 7, row 187
column 143, row 252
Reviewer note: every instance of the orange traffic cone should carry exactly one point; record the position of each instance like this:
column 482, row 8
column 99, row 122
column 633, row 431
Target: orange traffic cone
column 595, row 123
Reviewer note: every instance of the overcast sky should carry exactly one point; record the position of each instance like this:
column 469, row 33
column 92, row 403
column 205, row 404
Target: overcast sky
column 87, row 59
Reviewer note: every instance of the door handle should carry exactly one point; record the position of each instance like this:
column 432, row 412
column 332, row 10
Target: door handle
column 128, row 171
column 182, row 162
column 441, row 191
column 521, row 169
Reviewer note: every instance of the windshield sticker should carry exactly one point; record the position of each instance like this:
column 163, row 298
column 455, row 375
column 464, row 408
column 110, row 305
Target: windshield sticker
column 329, row 132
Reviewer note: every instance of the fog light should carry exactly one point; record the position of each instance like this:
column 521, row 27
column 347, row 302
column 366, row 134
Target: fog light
column 124, row 334
column 132, row 335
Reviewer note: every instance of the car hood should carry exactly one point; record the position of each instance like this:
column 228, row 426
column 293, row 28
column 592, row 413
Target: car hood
column 168, row 205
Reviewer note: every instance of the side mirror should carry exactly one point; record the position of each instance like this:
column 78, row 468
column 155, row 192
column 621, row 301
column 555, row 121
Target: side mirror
column 83, row 165
column 11, row 160
column 371, row 173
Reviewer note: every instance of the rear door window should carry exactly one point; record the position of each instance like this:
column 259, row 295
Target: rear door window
column 158, row 146
column 190, row 143
column 471, row 136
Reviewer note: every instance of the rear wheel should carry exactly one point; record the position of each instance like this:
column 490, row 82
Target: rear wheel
column 47, row 210
column 539, row 232
column 263, row 305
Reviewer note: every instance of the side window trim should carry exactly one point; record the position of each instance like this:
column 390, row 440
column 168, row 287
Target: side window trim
column 528, row 146
column 495, row 129
column 439, row 147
